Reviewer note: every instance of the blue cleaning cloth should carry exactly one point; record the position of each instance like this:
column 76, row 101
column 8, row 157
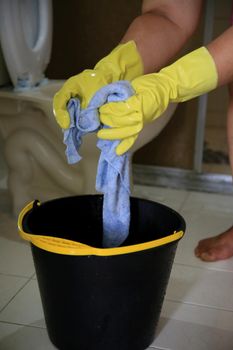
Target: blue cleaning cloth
column 113, row 178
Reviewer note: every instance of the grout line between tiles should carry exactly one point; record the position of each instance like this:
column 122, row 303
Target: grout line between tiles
column 22, row 324
column 32, row 276
column 158, row 348
column 15, row 275
column 184, row 201
column 203, row 267
column 177, row 301
column 18, row 291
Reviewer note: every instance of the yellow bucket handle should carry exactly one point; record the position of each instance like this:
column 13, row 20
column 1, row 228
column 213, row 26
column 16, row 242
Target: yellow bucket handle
column 68, row 247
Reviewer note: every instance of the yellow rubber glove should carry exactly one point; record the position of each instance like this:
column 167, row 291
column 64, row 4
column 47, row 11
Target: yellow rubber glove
column 124, row 62
column 190, row 76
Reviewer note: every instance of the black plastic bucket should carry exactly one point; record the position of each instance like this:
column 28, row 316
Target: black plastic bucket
column 101, row 298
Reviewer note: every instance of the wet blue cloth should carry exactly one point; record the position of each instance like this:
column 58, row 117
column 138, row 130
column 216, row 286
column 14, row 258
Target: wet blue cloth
column 113, row 178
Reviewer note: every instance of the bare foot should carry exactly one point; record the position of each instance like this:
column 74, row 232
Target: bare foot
column 216, row 248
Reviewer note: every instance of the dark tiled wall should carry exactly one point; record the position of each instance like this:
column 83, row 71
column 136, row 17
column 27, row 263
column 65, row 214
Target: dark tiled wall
column 85, row 31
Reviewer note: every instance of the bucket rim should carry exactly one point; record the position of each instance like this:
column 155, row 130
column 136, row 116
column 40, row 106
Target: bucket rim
column 69, row 247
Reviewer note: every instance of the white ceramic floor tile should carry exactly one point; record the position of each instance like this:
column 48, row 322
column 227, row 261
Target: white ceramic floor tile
column 170, row 197
column 179, row 335
column 201, row 287
column 206, row 215
column 200, row 315
column 201, row 225
column 9, row 286
column 25, row 308
column 208, row 201
column 15, row 258
column 16, row 337
column 15, row 254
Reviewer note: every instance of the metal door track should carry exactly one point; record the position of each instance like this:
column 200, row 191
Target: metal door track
column 182, row 179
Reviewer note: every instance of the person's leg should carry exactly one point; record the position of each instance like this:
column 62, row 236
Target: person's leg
column 221, row 246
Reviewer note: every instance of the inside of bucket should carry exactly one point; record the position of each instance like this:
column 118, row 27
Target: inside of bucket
column 79, row 219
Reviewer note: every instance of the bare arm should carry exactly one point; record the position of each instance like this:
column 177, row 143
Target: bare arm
column 221, row 49
column 163, row 29
column 230, row 125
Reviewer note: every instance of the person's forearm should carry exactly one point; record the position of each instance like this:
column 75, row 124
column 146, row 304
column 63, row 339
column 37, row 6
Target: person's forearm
column 221, row 49
column 162, row 30
column 230, row 125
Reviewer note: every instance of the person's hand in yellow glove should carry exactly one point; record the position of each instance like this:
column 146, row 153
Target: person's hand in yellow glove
column 190, row 76
column 124, row 62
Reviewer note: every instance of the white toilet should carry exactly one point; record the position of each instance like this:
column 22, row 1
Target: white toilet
column 33, row 147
